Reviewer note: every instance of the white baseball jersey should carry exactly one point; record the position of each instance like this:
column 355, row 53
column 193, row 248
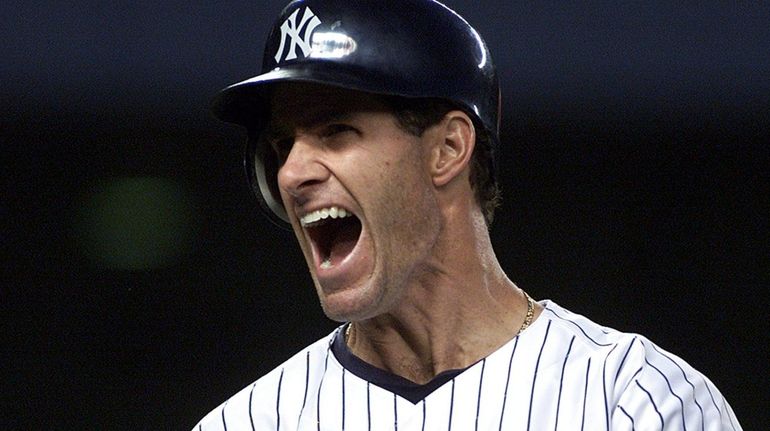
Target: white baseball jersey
column 563, row 373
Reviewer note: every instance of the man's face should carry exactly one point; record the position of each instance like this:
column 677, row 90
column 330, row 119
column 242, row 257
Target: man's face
column 357, row 191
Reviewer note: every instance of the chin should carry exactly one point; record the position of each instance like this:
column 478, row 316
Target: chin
column 340, row 314
column 353, row 304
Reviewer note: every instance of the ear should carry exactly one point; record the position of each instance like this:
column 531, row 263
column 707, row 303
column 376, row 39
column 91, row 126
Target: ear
column 453, row 147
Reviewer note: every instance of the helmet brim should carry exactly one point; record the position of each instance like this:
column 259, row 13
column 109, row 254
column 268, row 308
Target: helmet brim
column 247, row 102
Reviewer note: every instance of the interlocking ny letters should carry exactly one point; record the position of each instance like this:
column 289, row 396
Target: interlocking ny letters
column 290, row 29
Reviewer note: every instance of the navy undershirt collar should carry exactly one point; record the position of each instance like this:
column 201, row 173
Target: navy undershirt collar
column 400, row 386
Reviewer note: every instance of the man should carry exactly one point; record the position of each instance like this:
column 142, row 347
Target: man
column 372, row 130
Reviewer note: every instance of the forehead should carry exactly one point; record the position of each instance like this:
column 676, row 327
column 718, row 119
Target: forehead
column 305, row 104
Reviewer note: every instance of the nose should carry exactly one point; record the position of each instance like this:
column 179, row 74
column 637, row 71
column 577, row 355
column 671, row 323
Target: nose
column 302, row 168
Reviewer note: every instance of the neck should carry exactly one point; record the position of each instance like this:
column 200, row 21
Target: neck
column 458, row 310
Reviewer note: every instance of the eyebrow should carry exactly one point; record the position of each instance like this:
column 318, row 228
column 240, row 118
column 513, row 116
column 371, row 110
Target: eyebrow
column 274, row 131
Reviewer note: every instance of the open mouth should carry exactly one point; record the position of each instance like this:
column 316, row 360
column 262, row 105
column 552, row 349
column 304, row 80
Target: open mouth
column 334, row 233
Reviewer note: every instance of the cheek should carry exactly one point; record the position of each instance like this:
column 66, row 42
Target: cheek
column 387, row 176
column 409, row 207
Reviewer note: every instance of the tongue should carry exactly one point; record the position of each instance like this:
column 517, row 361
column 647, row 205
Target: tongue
column 344, row 241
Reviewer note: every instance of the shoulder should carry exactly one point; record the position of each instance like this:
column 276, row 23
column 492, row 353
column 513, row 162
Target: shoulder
column 661, row 389
column 254, row 405
column 643, row 383
column 587, row 337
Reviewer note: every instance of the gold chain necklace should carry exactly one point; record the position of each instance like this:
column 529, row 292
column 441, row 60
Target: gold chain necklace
column 527, row 319
column 347, row 334
column 530, row 314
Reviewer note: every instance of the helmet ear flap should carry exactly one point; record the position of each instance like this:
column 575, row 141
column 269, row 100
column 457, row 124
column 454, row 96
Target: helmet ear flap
column 261, row 164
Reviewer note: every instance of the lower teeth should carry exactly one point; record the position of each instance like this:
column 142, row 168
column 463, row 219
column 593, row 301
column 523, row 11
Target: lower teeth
column 327, row 263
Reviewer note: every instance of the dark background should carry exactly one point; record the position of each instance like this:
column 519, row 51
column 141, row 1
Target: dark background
column 141, row 288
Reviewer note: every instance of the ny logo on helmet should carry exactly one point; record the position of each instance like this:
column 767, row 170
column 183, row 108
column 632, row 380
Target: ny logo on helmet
column 292, row 30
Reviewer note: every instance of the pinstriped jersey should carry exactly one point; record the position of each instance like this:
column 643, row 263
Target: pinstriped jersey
column 563, row 373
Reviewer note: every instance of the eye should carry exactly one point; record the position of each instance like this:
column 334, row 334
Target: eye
column 282, row 148
column 337, row 128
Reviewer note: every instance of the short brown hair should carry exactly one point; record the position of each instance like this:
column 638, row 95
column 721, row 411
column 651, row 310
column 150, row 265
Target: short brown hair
column 417, row 115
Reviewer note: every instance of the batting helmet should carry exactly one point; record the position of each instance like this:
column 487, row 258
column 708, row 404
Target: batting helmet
column 409, row 48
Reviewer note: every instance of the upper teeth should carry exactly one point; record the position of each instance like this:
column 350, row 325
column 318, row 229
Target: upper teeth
column 324, row 213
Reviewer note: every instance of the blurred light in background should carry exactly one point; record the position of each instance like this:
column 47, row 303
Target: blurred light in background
column 136, row 223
